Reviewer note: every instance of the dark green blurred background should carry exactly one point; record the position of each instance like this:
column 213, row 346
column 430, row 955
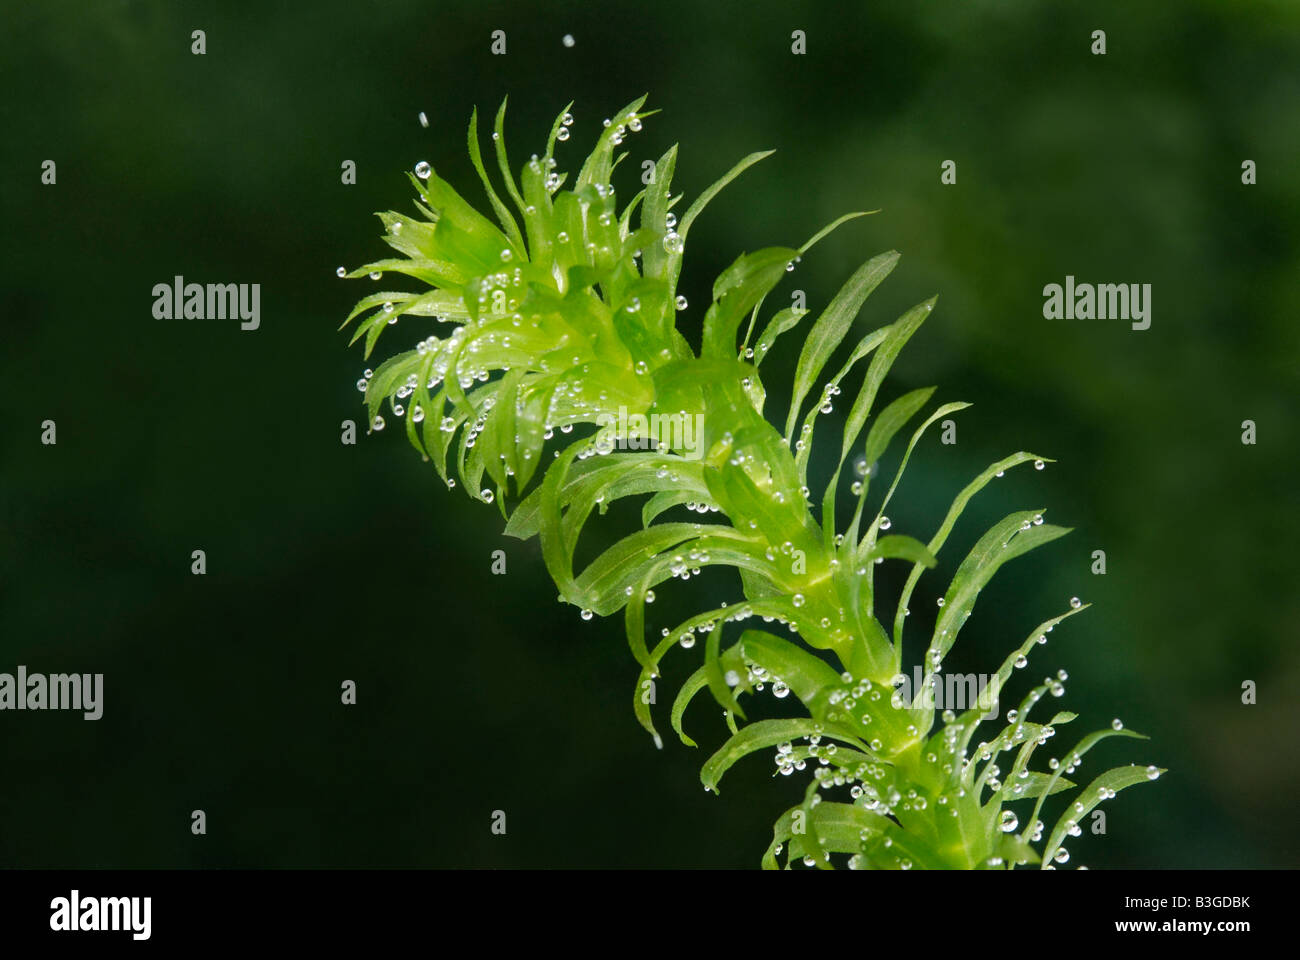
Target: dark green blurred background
column 328, row 562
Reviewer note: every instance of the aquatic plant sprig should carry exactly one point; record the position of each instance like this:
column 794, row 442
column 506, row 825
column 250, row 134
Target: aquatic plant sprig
column 562, row 314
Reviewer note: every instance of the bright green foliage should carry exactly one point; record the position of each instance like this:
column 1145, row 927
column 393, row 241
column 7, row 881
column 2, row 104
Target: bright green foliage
column 562, row 313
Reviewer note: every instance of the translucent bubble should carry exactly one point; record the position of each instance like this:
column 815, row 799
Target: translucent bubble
column 378, row 423
column 562, row 133
column 1021, row 661
column 374, row 274
column 1153, row 772
column 567, row 119
column 424, row 121
column 362, row 384
column 1117, row 724
column 1009, row 821
column 681, row 302
column 341, row 272
column 487, row 495
column 797, row 600
column 423, row 170
column 886, row 523
column 673, row 242
column 780, row 690
column 417, row 413
column 567, row 40
column 1076, row 603
column 1038, row 464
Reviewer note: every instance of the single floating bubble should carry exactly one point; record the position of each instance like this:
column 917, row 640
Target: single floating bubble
column 567, row 40
column 422, row 170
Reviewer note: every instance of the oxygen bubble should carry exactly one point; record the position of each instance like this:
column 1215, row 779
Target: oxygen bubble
column 506, row 255
column 567, row 40
column 673, row 242
column 634, row 124
column 780, row 690
column 1076, row 603
column 417, row 413
column 487, row 495
column 941, row 601
column 562, row 133
column 423, row 170
column 1153, row 772
column 681, row 302
column 797, row 600
column 374, row 274
column 686, row 640
column 1009, row 821
column 649, row 596
column 567, row 119
column 670, row 221
column 424, row 121
column 341, row 272
column 586, row 614
column 1021, row 661
column 388, row 306
column 885, row 523
column 1038, row 464
column 378, row 423
column 1117, row 724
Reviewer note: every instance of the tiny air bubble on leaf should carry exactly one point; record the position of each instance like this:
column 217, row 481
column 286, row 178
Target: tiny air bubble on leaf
column 422, row 170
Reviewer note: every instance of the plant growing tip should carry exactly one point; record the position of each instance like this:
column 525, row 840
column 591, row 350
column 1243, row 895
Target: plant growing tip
column 554, row 324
